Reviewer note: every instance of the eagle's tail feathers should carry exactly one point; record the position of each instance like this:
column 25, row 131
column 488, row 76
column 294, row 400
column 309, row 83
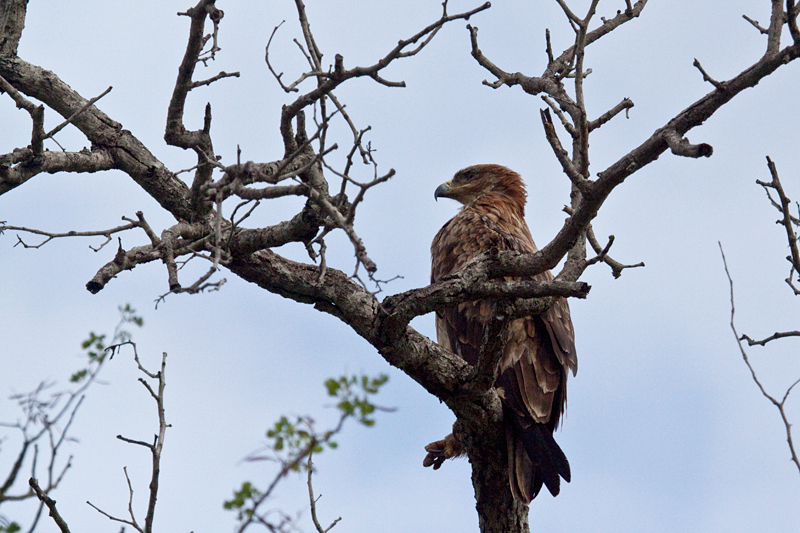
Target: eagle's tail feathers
column 537, row 460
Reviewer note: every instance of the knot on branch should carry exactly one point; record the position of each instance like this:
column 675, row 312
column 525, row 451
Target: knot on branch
column 214, row 13
column 681, row 146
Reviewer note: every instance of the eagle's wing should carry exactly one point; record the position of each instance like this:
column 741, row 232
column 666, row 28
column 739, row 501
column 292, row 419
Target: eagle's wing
column 537, row 353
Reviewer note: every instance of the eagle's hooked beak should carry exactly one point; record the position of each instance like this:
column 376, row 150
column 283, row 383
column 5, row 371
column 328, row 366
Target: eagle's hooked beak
column 443, row 190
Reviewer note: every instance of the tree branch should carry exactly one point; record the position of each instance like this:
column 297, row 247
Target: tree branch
column 697, row 113
column 470, row 283
column 681, row 146
column 313, row 502
column 780, row 405
column 573, row 173
column 29, row 164
column 128, row 153
column 776, row 335
column 624, row 105
column 786, row 219
column 51, row 504
column 339, row 74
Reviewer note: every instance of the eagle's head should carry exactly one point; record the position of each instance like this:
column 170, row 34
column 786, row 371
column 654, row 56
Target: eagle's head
column 477, row 181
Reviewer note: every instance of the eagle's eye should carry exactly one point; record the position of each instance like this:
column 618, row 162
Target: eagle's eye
column 465, row 176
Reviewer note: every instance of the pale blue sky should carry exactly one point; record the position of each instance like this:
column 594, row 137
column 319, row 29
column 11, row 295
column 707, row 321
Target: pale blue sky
column 665, row 430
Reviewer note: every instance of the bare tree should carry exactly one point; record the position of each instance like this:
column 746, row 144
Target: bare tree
column 210, row 214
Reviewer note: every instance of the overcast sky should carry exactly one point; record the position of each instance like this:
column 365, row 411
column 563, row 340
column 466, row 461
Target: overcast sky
column 665, row 429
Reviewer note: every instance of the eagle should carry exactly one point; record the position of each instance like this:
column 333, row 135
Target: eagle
column 538, row 351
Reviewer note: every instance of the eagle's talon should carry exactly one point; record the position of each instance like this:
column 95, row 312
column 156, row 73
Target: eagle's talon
column 436, row 454
column 441, row 450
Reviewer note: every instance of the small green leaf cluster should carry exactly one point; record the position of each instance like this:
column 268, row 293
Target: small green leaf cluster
column 11, row 527
column 96, row 348
column 241, row 498
column 292, row 438
column 8, row 527
column 353, row 394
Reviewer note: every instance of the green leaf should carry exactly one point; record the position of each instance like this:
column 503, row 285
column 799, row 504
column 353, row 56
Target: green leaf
column 332, row 385
column 241, row 498
column 13, row 527
column 79, row 376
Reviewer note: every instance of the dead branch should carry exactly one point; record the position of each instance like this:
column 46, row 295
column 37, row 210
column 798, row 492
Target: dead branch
column 50, row 235
column 792, row 11
column 51, row 504
column 624, row 105
column 780, row 405
column 563, row 157
column 681, row 145
column 176, row 134
column 564, row 120
column 708, row 78
column 201, row 285
column 787, row 221
column 474, row 281
column 155, row 448
column 20, row 100
column 776, row 21
column 27, row 163
column 647, row 152
column 132, row 522
column 75, row 114
column 755, row 24
column 211, row 80
column 341, row 222
column 125, row 150
column 339, row 74
column 123, row 260
column 269, row 65
column 602, row 254
column 776, row 335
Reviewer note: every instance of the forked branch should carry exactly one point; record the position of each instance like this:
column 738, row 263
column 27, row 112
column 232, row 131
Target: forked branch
column 155, row 448
column 779, row 404
column 783, row 205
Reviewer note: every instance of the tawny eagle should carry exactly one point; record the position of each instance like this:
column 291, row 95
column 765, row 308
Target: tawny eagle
column 537, row 351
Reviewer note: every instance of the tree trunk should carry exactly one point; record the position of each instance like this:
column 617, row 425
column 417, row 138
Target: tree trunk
column 12, row 21
column 498, row 511
column 482, row 434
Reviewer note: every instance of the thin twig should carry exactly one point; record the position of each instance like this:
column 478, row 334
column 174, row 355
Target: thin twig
column 75, row 115
column 755, row 24
column 774, row 336
column 780, row 405
column 602, row 254
column 625, row 105
column 706, row 77
column 786, row 222
column 50, row 236
column 313, row 502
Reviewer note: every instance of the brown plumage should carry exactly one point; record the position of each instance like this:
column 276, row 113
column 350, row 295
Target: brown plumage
column 538, row 351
